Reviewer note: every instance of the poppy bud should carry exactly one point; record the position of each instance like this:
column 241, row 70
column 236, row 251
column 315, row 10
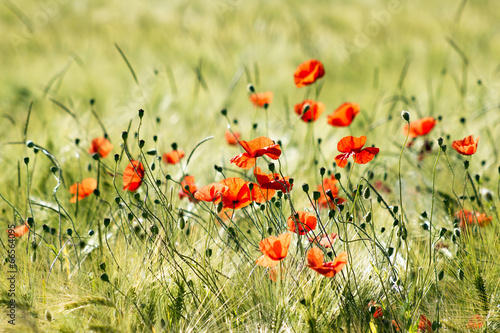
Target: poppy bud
column 322, row 171
column 319, row 141
column 31, row 222
column 124, row 135
column 460, row 274
column 36, row 150
column 306, row 108
column 95, row 156
column 382, row 230
column 102, row 266
column 443, row 148
column 466, row 165
column 250, row 186
column 105, row 277
column 337, row 176
column 340, row 207
column 440, row 142
column 30, row 144
column 219, row 207
column 424, row 214
column 290, row 180
column 141, row 144
column 316, row 195
column 151, row 152
column 390, row 251
column 158, row 182
column 442, row 232
column 130, row 216
column 91, row 232
column 26, row 160
column 462, row 120
column 48, row 315
column 97, row 193
column 405, row 115
column 174, row 146
column 456, row 231
column 395, row 222
column 34, row 245
column 53, row 169
column 137, row 196
column 69, row 232
column 425, row 226
column 141, row 113
column 366, row 193
column 305, row 187
column 106, row 221
column 250, row 88
column 271, row 166
column 487, row 194
column 157, row 202
column 477, row 177
column 254, row 126
column 117, row 200
column 223, row 112
column 117, row 157
column 368, row 217
column 168, row 177
column 45, row 228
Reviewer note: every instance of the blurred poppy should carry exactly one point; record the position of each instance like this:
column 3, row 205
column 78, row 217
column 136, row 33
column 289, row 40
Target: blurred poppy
column 274, row 249
column 133, row 175
column 395, row 325
column 302, row 222
column 261, row 195
column 344, row 115
column 424, row 325
column 475, row 322
column 84, row 189
column 102, row 146
column 324, row 240
column 466, row 146
column 328, row 269
column 308, row 72
column 309, row 110
column 188, row 188
column 173, row 157
column 272, row 181
column 468, row 217
column 329, row 192
column 351, row 146
column 256, row 148
column 237, row 194
column 261, row 99
column 420, row 127
column 20, row 230
column 380, row 186
column 211, row 192
column 375, row 309
column 232, row 137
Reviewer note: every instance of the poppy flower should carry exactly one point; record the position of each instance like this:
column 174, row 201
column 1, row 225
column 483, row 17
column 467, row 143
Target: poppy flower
column 272, row 181
column 188, row 188
column 20, row 230
column 328, row 269
column 260, row 194
column 133, row 175
column 102, row 146
column 351, row 146
column 420, row 127
column 261, row 99
column 314, row 110
column 211, row 192
column 326, row 200
column 475, row 322
column 324, row 240
column 302, row 222
column 83, row 189
column 424, row 325
column 344, row 115
column 274, row 249
column 173, row 157
column 378, row 312
column 232, row 137
column 308, row 72
column 466, row 146
column 468, row 217
column 237, row 194
column 256, row 148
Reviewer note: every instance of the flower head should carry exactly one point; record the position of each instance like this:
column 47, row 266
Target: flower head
column 256, row 148
column 344, row 115
column 466, row 146
column 309, row 110
column 308, row 72
column 272, row 181
column 83, row 189
column 188, row 188
column 420, row 127
column 261, row 99
column 232, row 137
column 133, row 175
column 302, row 222
column 351, row 146
column 237, row 194
column 101, row 146
column 211, row 192
column 274, row 249
column 467, row 217
column 20, row 230
column 174, row 156
column 328, row 269
column 324, row 240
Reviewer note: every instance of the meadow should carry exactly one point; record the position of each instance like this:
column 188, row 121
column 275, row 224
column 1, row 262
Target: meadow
column 239, row 166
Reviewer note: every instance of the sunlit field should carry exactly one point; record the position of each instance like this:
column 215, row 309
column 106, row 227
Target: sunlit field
column 250, row 166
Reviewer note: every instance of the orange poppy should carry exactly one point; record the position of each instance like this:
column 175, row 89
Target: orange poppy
column 351, row 146
column 325, row 200
column 260, row 194
column 272, row 181
column 274, row 249
column 344, row 115
column 20, row 230
column 328, row 269
column 210, row 192
column 173, row 157
column 188, row 182
column 102, row 146
column 420, row 127
column 237, row 194
column 475, row 322
column 303, row 223
column 468, row 217
column 256, row 148
column 261, row 99
column 424, row 325
column 308, row 72
column 324, row 240
column 232, row 137
column 466, row 146
column 315, row 109
column 133, row 175
column 84, row 189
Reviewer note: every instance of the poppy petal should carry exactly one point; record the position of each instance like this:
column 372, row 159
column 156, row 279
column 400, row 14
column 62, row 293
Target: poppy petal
column 365, row 155
column 350, row 143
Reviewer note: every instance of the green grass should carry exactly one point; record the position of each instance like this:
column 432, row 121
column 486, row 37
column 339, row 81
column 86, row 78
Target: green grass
column 188, row 60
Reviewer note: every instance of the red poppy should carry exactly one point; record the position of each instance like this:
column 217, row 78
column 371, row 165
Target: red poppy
column 351, row 146
column 344, row 115
column 84, row 189
column 211, row 192
column 468, row 217
column 133, row 175
column 102, row 146
column 378, row 310
column 261, row 195
column 237, row 194
column 314, row 110
column 302, row 222
column 173, row 157
column 466, row 146
column 255, row 148
column 261, row 99
column 324, row 240
column 308, row 72
column 272, row 181
column 232, row 137
column 328, row 269
column 420, row 127
column 188, row 188
column 274, row 249
column 475, row 322
column 424, row 325
column 326, row 200
column 20, row 230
